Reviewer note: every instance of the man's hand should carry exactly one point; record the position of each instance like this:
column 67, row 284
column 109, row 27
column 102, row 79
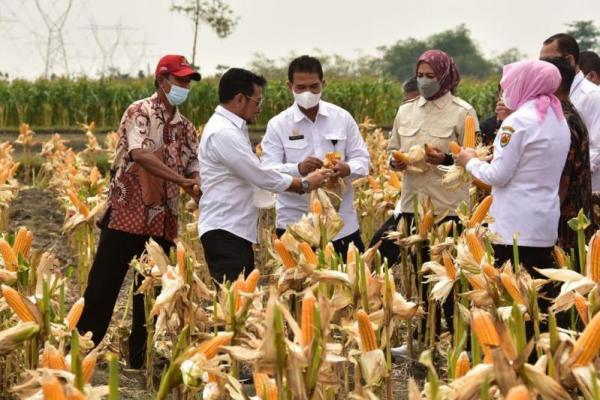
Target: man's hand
column 341, row 169
column 464, row 156
column 309, row 165
column 317, row 178
column 191, row 187
column 502, row 112
column 434, row 156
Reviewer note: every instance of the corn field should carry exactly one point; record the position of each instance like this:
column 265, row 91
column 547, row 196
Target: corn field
column 306, row 323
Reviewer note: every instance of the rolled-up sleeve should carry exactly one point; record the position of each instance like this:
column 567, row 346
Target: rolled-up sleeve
column 357, row 155
column 235, row 155
column 273, row 155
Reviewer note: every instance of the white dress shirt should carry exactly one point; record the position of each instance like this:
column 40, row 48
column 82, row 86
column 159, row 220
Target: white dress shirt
column 291, row 137
column 229, row 172
column 585, row 96
column 525, row 172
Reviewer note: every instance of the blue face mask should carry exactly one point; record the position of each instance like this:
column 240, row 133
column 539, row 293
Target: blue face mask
column 176, row 95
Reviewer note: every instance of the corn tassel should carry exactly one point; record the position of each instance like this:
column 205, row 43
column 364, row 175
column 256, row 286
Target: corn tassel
column 307, row 319
column 10, row 258
column 309, row 255
column 426, row 224
column 480, row 212
column 52, row 389
column 519, row 392
column 394, row 180
column 16, row 301
column 581, row 305
column 74, row 314
column 367, row 335
column 475, row 246
column 88, row 365
column 594, row 258
column 483, row 327
column 286, row 258
column 469, row 139
column 463, row 365
column 210, row 347
column 449, row 265
column 454, row 147
column 400, row 156
column 511, row 288
column 316, row 207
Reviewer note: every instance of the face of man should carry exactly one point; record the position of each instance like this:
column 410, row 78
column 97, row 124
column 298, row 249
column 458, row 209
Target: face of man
column 306, row 81
column 551, row 50
column 166, row 81
column 250, row 105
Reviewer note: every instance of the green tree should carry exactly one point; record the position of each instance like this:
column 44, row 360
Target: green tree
column 216, row 13
column 586, row 33
column 508, row 56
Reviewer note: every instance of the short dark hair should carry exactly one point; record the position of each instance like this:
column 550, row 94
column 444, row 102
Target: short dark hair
column 588, row 62
column 567, row 45
column 238, row 80
column 305, row 64
column 410, row 85
column 567, row 72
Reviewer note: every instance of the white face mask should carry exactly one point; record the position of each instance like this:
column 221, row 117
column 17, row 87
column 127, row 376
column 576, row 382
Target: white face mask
column 505, row 100
column 307, row 99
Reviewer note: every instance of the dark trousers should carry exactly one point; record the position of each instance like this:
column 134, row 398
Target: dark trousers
column 227, row 255
column 115, row 251
column 340, row 245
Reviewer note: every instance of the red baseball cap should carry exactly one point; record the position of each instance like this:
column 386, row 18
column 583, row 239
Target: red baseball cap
column 178, row 66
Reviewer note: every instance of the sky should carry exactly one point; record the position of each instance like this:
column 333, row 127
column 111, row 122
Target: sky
column 275, row 28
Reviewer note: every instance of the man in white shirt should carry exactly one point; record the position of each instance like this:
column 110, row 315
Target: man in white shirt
column 584, row 95
column 230, row 173
column 589, row 62
column 297, row 140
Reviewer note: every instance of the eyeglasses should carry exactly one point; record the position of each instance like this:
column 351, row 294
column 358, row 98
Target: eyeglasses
column 259, row 102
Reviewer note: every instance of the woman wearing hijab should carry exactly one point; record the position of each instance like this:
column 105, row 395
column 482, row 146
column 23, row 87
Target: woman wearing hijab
column 530, row 151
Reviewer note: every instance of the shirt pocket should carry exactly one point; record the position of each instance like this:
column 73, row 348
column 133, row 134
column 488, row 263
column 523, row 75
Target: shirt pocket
column 295, row 150
column 440, row 137
column 336, row 142
column 408, row 137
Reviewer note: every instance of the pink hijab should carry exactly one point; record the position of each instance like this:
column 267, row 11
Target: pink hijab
column 532, row 80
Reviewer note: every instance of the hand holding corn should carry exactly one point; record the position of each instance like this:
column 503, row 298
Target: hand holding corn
column 308, row 165
column 464, row 156
column 399, row 161
column 433, row 155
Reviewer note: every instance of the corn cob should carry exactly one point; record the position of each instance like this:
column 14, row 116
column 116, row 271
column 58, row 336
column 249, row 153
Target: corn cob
column 469, row 137
column 20, row 241
column 51, row 358
column 272, row 392
column 79, row 205
column 482, row 185
column 88, row 365
column 309, row 255
column 74, row 314
column 28, row 242
column 261, row 384
column 373, row 183
column 581, row 305
column 74, row 394
column 454, row 147
column 587, row 345
column 490, row 271
column 463, row 365
column 560, row 257
column 429, row 149
column 476, row 281
column 238, row 285
column 426, row 224
column 483, row 327
column 329, row 251
column 394, row 181
column 252, row 281
column 351, row 254
column 511, row 287
column 475, row 246
column 210, row 347
column 367, row 336
column 449, row 265
column 401, row 156
column 316, row 207
column 181, row 259
column 10, row 258
column 594, row 258
column 518, row 393
column 307, row 321
column 480, row 212
column 284, row 254
column 52, row 389
column 16, row 301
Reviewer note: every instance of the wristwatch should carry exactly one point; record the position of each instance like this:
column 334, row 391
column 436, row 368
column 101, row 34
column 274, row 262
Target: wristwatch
column 304, row 186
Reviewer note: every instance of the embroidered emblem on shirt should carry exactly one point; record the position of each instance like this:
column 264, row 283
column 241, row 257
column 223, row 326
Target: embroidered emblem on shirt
column 505, row 137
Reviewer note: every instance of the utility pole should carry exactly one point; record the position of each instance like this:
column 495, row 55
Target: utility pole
column 55, row 52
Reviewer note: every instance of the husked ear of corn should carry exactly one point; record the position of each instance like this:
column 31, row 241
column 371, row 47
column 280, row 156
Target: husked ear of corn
column 449, row 265
column 316, row 207
column 88, row 365
column 582, row 307
column 593, row 260
column 329, row 251
column 20, row 241
column 454, row 147
column 469, row 140
column 74, row 394
column 475, row 246
column 511, row 288
column 483, row 327
column 373, row 183
column 79, row 205
column 393, row 180
column 398, row 155
column 519, row 392
column 367, row 335
column 426, row 224
column 74, row 314
column 52, row 389
column 587, row 345
column 285, row 256
column 308, row 317
column 18, row 304
column 490, row 271
column 210, row 347
column 559, row 256
column 309, row 255
column 181, row 259
column 9, row 256
column 480, row 212
column 252, row 281
column 51, row 358
column 463, row 365
column 261, row 384
column 476, row 281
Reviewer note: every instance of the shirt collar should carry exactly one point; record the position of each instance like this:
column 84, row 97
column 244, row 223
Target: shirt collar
column 299, row 115
column 576, row 82
column 160, row 106
column 439, row 103
column 235, row 119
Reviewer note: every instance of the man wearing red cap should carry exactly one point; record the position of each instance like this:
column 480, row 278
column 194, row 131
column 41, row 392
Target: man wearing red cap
column 156, row 156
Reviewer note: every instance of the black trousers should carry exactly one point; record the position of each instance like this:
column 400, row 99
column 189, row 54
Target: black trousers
column 115, row 251
column 227, row 255
column 340, row 245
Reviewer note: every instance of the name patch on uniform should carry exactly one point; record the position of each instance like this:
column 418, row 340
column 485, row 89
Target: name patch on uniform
column 506, row 135
column 297, row 137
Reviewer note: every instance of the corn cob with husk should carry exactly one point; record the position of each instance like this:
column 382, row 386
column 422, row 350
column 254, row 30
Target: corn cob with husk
column 454, row 147
column 88, row 365
column 252, row 281
column 560, row 257
column 449, row 265
column 368, row 340
column 51, row 358
column 210, row 347
column 286, row 258
column 510, row 285
column 463, row 365
column 475, row 246
column 23, row 240
column 587, row 345
column 10, row 258
column 80, row 206
column 593, row 259
column 480, row 212
column 307, row 318
column 265, row 389
column 483, row 327
column 309, row 255
column 74, row 314
column 316, row 207
column 52, row 389
column 13, row 337
column 581, row 305
column 426, row 224
column 394, row 180
column 469, row 139
column 181, row 259
column 24, row 309
column 373, row 183
column 399, row 155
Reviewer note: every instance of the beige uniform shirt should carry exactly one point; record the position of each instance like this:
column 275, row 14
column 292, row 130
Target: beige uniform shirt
column 436, row 122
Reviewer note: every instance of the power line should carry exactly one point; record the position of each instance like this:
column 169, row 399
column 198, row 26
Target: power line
column 56, row 52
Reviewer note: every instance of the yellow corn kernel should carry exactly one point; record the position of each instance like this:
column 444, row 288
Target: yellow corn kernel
column 16, row 301
column 367, row 335
column 474, row 245
column 476, row 281
column 469, row 139
column 307, row 318
column 210, row 347
column 74, row 314
column 511, row 288
column 79, row 205
column 52, row 389
column 449, row 265
column 10, row 258
column 480, row 212
column 454, row 147
column 284, row 254
column 463, row 365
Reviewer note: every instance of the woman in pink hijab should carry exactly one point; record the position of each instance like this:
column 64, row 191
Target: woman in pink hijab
column 530, row 151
